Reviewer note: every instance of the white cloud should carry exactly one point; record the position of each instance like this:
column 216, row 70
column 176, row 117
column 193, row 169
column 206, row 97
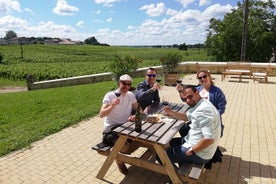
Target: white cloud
column 109, row 19
column 153, row 10
column 9, row 23
column 29, row 10
column 217, row 11
column 63, row 8
column 185, row 3
column 80, row 23
column 171, row 12
column 47, row 29
column 204, row 2
column 8, row 6
column 108, row 3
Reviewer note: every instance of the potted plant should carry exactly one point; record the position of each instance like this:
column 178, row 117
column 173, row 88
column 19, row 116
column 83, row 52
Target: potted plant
column 170, row 63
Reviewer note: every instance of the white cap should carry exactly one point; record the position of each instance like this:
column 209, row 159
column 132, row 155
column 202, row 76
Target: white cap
column 125, row 78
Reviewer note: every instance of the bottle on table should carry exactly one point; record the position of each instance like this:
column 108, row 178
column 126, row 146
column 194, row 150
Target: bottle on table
column 138, row 120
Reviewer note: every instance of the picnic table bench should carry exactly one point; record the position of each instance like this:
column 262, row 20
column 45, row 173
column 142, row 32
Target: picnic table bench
column 239, row 69
column 155, row 137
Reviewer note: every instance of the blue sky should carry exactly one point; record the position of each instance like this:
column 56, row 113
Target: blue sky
column 115, row 22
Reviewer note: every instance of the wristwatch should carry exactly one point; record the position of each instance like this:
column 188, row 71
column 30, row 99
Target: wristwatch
column 191, row 150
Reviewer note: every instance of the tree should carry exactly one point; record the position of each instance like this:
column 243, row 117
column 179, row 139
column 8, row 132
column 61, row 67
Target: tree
column 10, row 34
column 182, row 46
column 224, row 36
column 92, row 41
column 1, row 57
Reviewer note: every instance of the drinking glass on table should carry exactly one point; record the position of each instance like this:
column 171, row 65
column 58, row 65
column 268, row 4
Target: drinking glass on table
column 165, row 101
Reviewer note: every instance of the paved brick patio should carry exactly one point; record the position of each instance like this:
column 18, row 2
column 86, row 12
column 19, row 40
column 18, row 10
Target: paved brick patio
column 249, row 139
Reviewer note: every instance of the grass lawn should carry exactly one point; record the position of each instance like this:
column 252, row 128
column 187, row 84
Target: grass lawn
column 6, row 82
column 28, row 116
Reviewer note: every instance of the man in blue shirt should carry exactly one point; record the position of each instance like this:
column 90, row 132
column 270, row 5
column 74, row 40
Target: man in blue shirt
column 146, row 92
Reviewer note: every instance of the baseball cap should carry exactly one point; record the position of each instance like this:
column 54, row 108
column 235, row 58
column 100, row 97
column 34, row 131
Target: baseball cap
column 125, row 77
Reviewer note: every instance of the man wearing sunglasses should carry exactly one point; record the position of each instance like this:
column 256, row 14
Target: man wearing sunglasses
column 201, row 141
column 147, row 93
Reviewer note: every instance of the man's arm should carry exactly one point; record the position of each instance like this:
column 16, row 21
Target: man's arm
column 177, row 115
column 202, row 144
column 142, row 90
column 107, row 108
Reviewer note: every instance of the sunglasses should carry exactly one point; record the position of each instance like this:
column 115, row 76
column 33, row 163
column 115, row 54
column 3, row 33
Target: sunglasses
column 151, row 75
column 203, row 77
column 126, row 83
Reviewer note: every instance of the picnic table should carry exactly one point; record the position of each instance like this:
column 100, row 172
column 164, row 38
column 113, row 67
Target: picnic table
column 155, row 137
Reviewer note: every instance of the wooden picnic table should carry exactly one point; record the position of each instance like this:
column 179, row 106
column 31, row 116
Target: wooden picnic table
column 155, row 136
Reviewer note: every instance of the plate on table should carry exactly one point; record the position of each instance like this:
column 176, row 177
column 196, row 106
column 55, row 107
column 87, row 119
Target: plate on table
column 158, row 118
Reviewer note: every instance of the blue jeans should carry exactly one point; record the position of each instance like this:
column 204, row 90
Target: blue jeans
column 177, row 153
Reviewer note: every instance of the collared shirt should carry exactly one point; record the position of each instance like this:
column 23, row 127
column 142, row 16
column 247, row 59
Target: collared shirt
column 145, row 96
column 205, row 123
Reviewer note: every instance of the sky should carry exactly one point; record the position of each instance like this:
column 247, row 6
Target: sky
column 114, row 22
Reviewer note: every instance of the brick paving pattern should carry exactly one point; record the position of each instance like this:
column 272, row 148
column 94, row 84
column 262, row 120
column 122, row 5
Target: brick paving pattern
column 249, row 139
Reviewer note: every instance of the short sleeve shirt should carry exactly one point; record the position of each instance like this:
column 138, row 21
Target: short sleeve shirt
column 121, row 112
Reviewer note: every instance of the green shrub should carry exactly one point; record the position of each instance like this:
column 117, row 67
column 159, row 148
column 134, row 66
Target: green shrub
column 171, row 61
column 124, row 65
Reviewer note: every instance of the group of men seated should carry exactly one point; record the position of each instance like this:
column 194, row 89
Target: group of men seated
column 199, row 137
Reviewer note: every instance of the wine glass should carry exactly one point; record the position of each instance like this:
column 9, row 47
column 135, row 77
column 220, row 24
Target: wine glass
column 158, row 80
column 179, row 81
column 165, row 102
column 117, row 93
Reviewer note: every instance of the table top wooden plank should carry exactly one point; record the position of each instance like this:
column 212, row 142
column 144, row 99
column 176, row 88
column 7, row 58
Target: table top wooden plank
column 160, row 131
column 150, row 130
column 123, row 126
column 171, row 132
column 144, row 128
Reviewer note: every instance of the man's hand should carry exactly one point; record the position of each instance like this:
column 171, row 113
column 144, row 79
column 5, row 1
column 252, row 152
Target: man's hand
column 155, row 86
column 115, row 101
column 131, row 118
column 168, row 110
column 179, row 87
column 188, row 152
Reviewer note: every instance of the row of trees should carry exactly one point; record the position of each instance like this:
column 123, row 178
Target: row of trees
column 225, row 36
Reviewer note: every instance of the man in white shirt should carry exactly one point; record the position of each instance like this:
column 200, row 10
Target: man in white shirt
column 116, row 108
column 201, row 142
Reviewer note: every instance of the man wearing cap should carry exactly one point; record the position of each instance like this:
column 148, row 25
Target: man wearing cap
column 116, row 108
column 147, row 93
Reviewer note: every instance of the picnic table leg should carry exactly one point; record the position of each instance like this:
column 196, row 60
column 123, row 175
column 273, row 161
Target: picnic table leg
column 114, row 152
column 167, row 163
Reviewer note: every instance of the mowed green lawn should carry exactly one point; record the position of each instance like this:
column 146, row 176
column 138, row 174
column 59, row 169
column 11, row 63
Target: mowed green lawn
column 28, row 116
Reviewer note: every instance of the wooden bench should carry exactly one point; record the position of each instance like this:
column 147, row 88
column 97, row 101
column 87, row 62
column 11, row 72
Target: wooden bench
column 259, row 75
column 102, row 150
column 239, row 69
column 187, row 172
column 191, row 172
